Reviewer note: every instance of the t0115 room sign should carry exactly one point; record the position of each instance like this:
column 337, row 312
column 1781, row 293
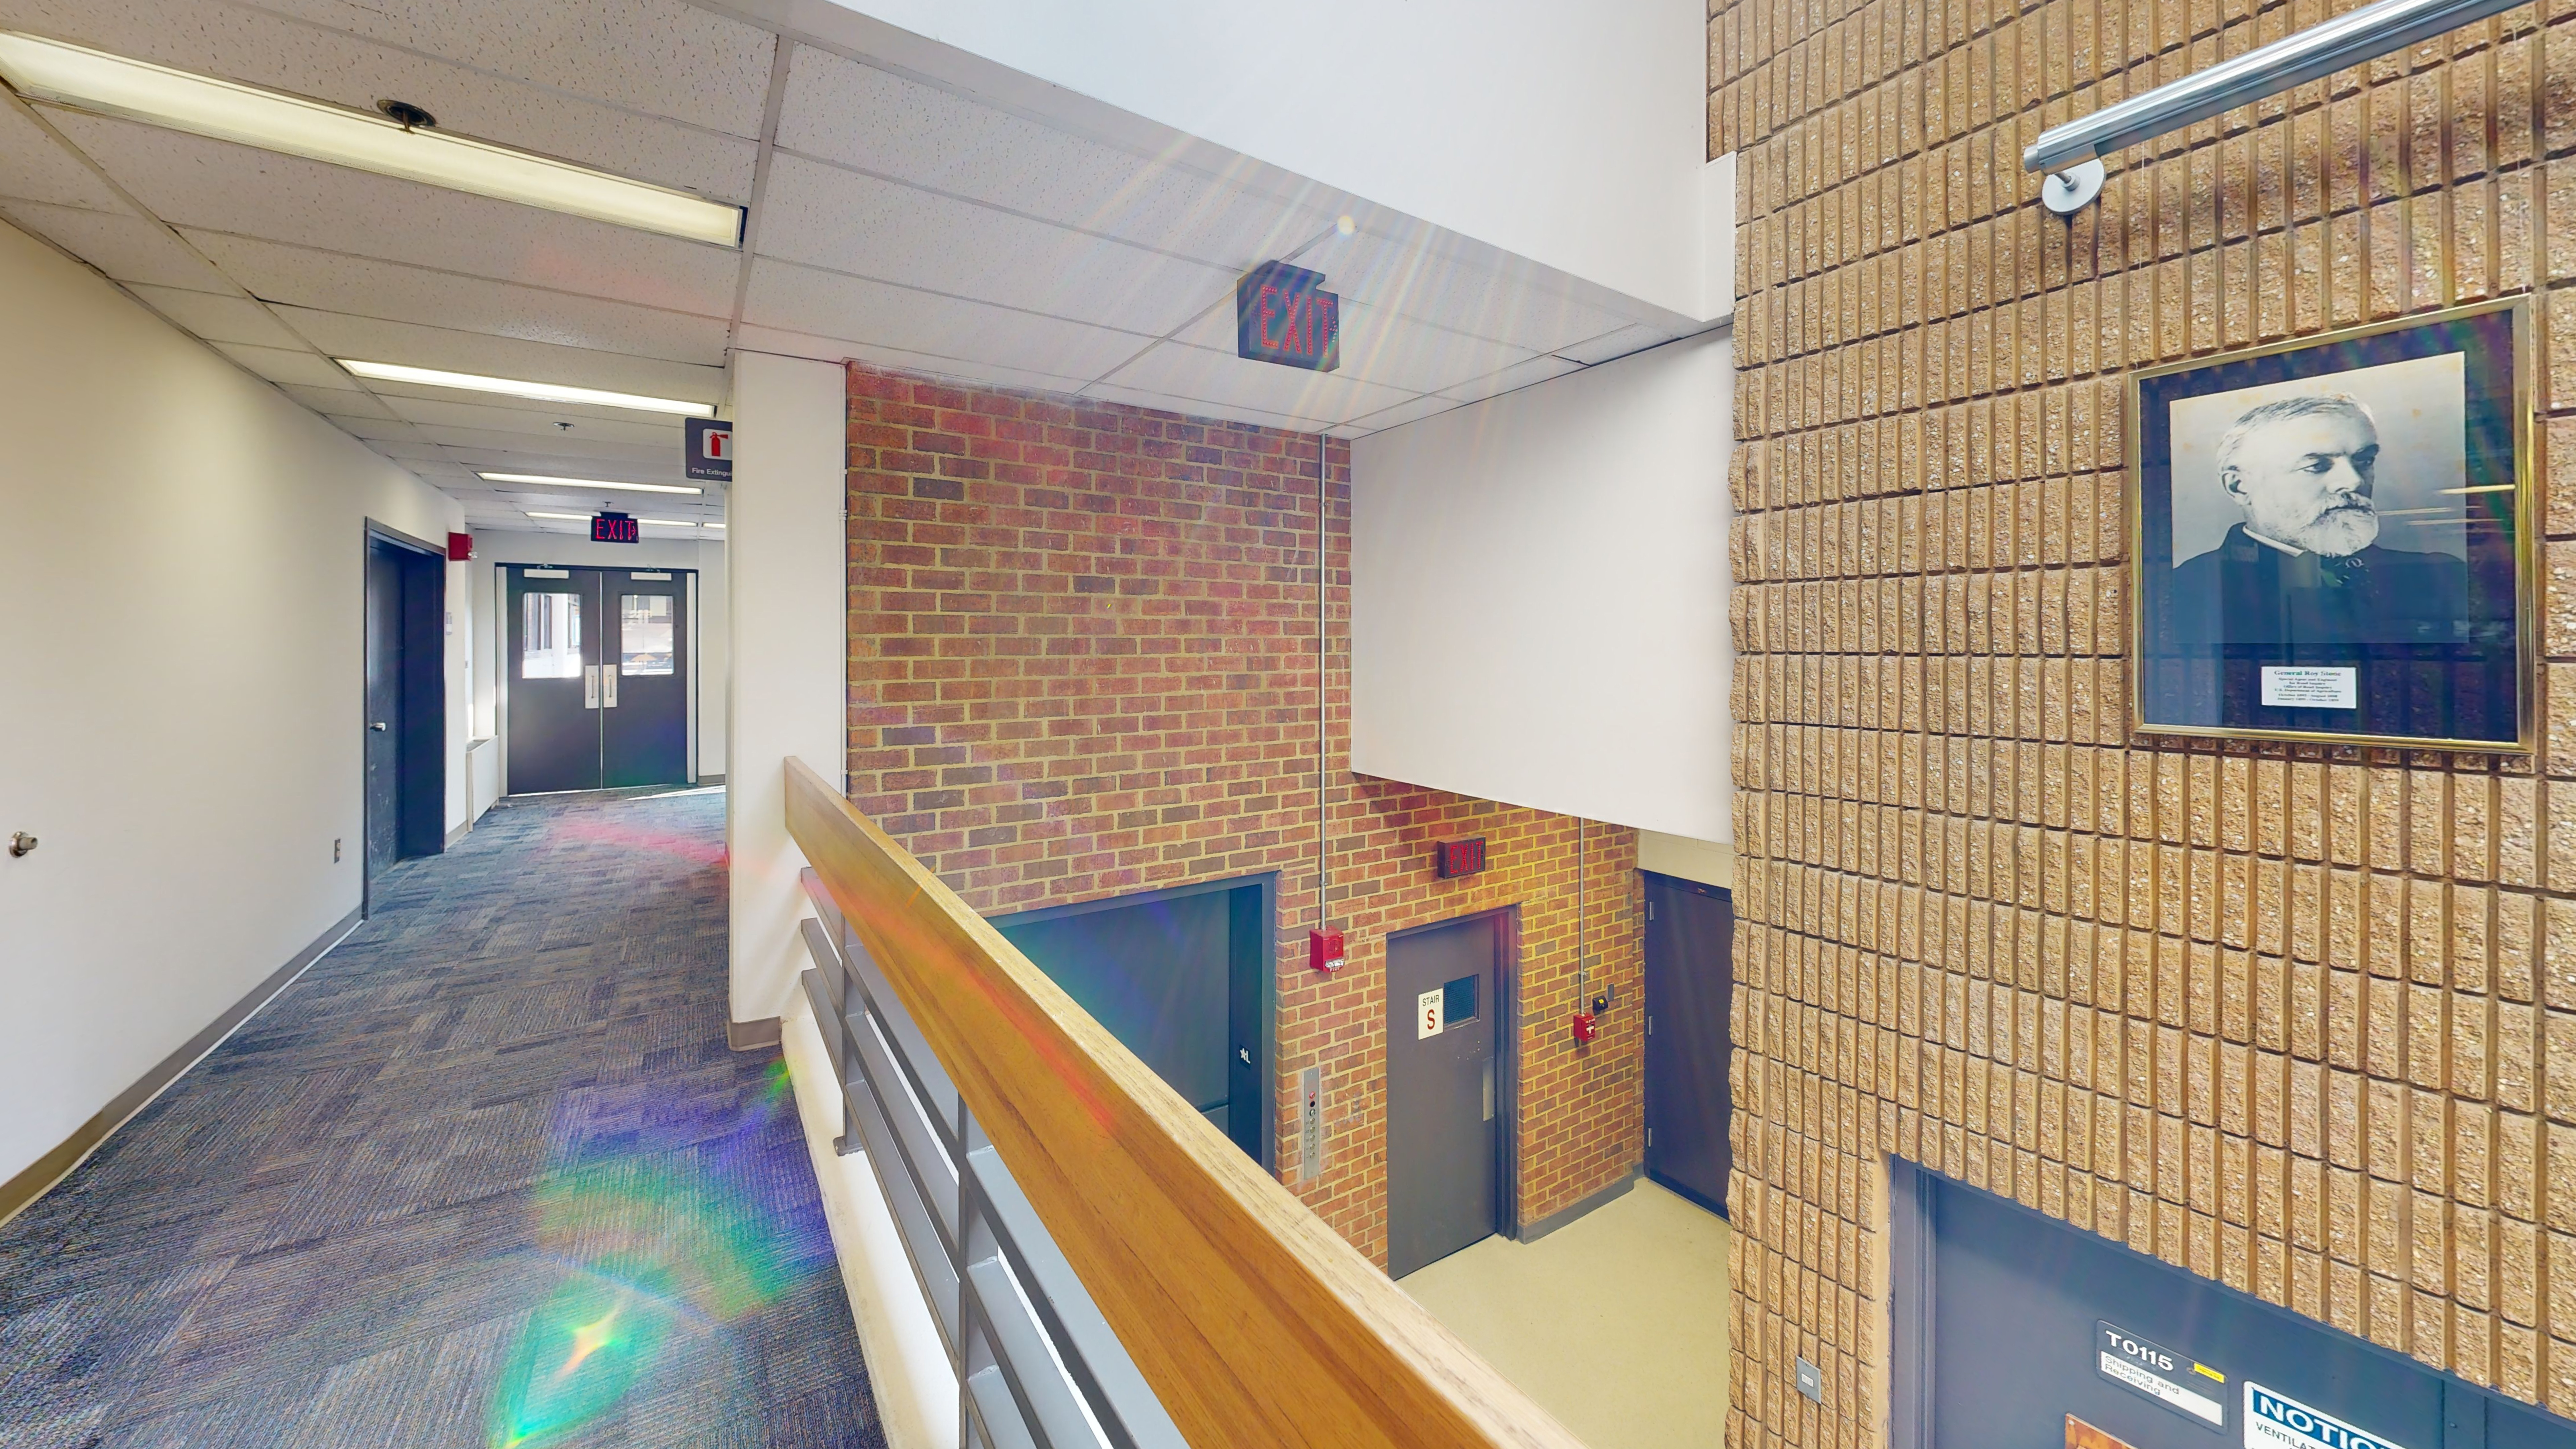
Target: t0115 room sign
column 1282, row 314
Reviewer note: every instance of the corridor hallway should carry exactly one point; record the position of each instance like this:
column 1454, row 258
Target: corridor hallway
column 486, row 1175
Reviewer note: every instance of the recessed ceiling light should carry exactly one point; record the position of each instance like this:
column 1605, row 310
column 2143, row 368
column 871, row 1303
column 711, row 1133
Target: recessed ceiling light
column 580, row 483
column 670, row 522
column 575, row 517
column 711, row 525
column 113, row 85
column 513, row 387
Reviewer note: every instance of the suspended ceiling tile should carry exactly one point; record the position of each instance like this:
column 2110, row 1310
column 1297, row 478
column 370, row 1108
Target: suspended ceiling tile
column 332, row 282
column 826, row 217
column 129, row 248
column 1202, row 409
column 373, row 339
column 662, row 469
column 1635, row 337
column 567, row 456
column 1536, row 370
column 219, row 319
column 1404, row 412
column 660, row 57
column 527, row 411
column 36, row 167
column 378, row 430
column 1227, row 382
column 192, row 182
column 1383, row 347
column 280, row 365
column 857, row 115
column 338, row 402
column 801, row 299
column 1414, row 276
column 982, row 374
column 449, row 413
column 280, row 54
column 407, row 452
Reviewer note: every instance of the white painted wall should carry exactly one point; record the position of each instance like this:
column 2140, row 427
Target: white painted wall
column 1538, row 595
column 707, row 556
column 1573, row 135
column 181, row 685
column 790, row 625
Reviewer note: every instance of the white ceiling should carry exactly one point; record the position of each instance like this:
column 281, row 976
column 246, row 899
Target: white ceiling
column 894, row 219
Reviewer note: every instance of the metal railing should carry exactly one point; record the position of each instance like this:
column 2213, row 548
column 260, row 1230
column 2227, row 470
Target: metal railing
column 1036, row 1364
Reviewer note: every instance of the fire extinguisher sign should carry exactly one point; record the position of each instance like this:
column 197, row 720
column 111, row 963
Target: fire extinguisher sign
column 708, row 455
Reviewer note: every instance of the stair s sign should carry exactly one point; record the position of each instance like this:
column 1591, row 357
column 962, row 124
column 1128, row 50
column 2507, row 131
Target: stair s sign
column 1282, row 314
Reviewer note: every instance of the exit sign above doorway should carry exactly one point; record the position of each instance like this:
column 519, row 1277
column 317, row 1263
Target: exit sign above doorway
column 1282, row 314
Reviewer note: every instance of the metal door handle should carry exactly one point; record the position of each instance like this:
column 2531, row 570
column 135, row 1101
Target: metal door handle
column 590, row 686
column 608, row 686
column 380, row 724
column 1489, row 1089
column 1245, row 1053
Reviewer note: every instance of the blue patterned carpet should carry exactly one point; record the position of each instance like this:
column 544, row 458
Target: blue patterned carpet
column 486, row 1176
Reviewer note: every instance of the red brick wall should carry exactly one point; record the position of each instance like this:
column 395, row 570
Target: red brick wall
column 1083, row 663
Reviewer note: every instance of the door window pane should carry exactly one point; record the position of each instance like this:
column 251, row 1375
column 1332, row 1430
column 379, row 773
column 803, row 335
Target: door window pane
column 550, row 636
column 1458, row 1000
column 644, row 633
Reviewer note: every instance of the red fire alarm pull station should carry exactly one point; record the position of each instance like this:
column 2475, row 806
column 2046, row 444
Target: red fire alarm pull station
column 460, row 547
column 1586, row 1026
column 1324, row 951
column 1452, row 858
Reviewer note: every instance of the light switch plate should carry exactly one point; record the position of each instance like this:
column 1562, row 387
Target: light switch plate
column 1811, row 1381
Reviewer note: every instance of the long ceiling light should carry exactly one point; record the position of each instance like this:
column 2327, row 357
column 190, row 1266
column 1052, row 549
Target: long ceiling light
column 274, row 121
column 577, row 484
column 514, row 387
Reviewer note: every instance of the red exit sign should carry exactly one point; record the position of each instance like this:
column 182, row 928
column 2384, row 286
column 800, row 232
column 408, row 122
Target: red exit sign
column 615, row 528
column 1453, row 858
column 1282, row 314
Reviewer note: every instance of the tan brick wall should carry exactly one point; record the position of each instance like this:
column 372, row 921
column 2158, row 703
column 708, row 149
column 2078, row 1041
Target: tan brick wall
column 1083, row 663
column 2302, row 1020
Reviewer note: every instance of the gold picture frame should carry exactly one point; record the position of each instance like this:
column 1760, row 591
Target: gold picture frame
column 2364, row 647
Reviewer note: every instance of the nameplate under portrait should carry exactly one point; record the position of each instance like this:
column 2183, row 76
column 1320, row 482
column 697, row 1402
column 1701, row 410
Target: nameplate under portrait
column 2332, row 537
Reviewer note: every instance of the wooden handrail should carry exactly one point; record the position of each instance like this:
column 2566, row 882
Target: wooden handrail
column 1254, row 1322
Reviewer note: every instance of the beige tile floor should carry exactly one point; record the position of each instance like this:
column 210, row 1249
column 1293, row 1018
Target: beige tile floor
column 1615, row 1323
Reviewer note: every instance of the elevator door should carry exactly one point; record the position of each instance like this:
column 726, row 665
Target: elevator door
column 599, row 678
column 1443, row 1098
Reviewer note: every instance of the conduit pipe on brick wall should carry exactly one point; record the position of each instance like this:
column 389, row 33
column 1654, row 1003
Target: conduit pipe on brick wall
column 2072, row 153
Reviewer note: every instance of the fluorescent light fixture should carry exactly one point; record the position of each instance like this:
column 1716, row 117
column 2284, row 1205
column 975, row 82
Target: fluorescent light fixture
column 575, row 517
column 670, row 522
column 2489, row 488
column 710, row 525
column 112, row 85
column 513, row 387
column 580, row 483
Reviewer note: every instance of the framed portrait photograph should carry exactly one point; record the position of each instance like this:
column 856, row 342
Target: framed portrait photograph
column 2331, row 537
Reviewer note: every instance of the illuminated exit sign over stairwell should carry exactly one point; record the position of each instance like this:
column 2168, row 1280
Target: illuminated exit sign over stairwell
column 1282, row 314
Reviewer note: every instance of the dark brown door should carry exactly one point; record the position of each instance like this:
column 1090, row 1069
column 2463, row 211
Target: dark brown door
column 1443, row 1090
column 1690, row 987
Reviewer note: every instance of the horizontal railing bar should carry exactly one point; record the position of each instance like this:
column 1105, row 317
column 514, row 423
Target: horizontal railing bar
column 1092, row 1353
column 934, row 1172
column 1253, row 1322
column 933, row 1266
column 911, row 1050
column 1045, row 1396
column 997, row 1412
column 2320, row 50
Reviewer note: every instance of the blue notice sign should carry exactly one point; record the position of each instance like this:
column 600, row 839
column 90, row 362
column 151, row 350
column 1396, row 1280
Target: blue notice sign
column 2274, row 1420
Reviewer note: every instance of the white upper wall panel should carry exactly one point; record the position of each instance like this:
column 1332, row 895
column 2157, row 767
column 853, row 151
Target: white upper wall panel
column 1595, row 682
column 1572, row 135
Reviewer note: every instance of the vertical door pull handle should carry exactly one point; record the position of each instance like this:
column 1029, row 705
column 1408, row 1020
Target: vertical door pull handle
column 608, row 686
column 1489, row 1089
column 590, row 686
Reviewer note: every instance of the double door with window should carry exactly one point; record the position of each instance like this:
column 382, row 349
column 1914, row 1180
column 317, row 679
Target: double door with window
column 599, row 678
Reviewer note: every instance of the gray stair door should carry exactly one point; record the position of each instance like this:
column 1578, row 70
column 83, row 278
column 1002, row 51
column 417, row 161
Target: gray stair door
column 1443, row 1107
column 1690, row 987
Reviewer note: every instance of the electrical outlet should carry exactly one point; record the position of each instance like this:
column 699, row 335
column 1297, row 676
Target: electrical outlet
column 335, row 850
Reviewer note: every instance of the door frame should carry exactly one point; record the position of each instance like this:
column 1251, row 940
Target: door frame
column 505, row 668
column 1264, row 970
column 1507, row 1052
column 424, row 669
